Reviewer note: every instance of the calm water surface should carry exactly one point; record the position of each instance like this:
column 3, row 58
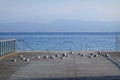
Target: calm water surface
column 65, row 41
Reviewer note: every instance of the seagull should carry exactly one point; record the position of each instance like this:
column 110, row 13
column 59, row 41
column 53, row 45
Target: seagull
column 14, row 60
column 107, row 55
column 45, row 57
column 52, row 57
column 71, row 52
column 64, row 55
column 99, row 52
column 38, row 57
column 67, row 55
column 63, row 58
column 90, row 56
column 27, row 59
column 57, row 55
column 82, row 54
column 21, row 56
column 92, row 53
column 79, row 53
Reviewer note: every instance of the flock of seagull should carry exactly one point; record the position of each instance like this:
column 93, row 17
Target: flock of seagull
column 63, row 56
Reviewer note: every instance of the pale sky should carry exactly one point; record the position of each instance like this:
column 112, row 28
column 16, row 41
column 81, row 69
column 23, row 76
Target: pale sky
column 39, row 10
column 48, row 11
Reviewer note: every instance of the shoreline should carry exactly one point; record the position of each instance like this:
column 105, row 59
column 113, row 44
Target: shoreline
column 71, row 51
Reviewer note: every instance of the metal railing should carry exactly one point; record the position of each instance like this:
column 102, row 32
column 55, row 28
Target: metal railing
column 7, row 46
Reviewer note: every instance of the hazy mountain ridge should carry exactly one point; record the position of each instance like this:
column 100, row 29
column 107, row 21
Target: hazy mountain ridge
column 61, row 25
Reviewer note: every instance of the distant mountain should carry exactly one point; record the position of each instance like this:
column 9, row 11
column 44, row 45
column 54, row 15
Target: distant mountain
column 20, row 27
column 62, row 26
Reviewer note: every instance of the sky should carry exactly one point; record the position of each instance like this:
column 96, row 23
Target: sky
column 51, row 11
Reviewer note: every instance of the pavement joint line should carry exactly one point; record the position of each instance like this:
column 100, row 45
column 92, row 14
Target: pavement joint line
column 75, row 67
column 112, row 61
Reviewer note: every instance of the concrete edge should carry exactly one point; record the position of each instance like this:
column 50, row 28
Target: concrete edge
column 7, row 55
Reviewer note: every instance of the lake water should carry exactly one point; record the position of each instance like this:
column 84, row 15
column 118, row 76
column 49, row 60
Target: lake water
column 65, row 41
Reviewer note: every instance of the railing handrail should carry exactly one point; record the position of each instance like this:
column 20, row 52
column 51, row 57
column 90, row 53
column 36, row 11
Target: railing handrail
column 1, row 40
